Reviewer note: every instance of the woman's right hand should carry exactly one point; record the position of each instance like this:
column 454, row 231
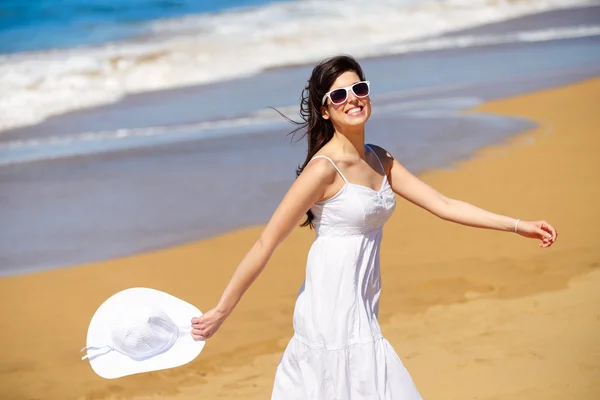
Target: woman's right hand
column 208, row 324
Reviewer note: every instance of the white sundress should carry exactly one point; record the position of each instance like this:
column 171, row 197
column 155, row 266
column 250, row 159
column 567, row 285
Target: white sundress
column 337, row 351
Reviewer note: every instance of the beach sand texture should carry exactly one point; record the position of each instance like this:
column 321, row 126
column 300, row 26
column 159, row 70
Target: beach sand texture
column 473, row 314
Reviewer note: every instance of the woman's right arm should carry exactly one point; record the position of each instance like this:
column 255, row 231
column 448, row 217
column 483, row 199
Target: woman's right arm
column 310, row 187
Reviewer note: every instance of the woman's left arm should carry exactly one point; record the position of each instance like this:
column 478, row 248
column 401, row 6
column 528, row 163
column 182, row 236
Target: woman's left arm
column 418, row 192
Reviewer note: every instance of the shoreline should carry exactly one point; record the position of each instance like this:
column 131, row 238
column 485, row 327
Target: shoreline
column 480, row 305
column 47, row 203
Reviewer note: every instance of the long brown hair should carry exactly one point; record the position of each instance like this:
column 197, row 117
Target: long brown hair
column 319, row 130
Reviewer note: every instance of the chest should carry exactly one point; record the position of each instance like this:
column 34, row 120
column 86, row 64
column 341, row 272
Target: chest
column 356, row 206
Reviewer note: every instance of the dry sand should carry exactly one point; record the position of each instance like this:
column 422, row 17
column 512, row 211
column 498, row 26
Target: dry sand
column 474, row 314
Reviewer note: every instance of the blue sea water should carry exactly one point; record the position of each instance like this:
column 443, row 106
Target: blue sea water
column 60, row 56
column 30, row 25
column 151, row 170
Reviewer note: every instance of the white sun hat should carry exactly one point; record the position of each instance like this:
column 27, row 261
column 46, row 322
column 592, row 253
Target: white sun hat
column 140, row 330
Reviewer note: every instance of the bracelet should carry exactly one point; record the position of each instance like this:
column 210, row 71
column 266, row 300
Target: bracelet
column 517, row 225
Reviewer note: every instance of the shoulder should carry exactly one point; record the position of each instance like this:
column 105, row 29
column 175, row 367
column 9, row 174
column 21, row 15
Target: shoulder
column 381, row 152
column 320, row 170
column 385, row 156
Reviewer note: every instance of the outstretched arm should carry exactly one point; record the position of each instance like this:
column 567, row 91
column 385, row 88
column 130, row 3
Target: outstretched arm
column 418, row 192
column 308, row 188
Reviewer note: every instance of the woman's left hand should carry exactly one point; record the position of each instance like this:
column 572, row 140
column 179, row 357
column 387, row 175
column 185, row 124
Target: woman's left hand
column 538, row 230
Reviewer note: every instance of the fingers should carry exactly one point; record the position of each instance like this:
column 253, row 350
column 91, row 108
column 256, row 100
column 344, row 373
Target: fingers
column 543, row 234
column 201, row 329
column 198, row 323
column 550, row 229
column 201, row 334
column 547, row 233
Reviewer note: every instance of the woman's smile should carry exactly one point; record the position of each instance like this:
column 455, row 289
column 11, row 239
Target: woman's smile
column 355, row 111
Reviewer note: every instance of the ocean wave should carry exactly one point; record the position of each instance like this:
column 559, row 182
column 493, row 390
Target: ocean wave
column 98, row 142
column 210, row 47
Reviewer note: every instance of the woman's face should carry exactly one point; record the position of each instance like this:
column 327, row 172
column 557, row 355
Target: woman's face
column 354, row 111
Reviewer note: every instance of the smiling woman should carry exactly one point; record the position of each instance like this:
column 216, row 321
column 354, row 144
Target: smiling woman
column 347, row 190
column 319, row 122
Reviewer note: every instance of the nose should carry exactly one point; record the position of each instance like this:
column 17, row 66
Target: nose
column 351, row 96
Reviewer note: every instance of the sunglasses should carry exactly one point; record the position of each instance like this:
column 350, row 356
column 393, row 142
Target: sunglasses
column 339, row 96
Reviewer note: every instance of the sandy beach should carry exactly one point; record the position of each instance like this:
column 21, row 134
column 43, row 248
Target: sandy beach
column 474, row 314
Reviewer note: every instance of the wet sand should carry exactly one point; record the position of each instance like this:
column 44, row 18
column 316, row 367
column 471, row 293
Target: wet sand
column 474, row 314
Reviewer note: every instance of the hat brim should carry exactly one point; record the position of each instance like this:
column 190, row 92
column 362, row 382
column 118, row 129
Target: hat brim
column 112, row 364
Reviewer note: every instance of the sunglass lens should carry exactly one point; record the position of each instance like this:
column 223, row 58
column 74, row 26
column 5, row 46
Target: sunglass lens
column 338, row 96
column 361, row 89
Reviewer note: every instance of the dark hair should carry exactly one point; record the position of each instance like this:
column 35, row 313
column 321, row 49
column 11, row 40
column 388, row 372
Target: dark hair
column 319, row 130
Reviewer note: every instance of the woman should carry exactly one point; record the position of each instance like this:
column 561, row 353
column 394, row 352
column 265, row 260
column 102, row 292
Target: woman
column 346, row 189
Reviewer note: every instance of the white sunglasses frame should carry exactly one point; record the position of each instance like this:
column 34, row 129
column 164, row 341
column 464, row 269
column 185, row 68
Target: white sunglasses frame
column 346, row 89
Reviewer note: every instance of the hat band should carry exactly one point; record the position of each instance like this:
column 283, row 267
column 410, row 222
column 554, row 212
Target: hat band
column 182, row 331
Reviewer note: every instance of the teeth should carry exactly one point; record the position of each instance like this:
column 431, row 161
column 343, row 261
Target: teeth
column 354, row 110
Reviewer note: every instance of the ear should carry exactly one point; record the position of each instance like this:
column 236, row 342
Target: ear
column 325, row 112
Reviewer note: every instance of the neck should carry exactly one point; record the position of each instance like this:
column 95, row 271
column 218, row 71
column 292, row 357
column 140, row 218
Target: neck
column 351, row 140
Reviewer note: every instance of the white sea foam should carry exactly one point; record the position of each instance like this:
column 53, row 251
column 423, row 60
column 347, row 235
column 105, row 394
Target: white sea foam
column 205, row 48
column 96, row 142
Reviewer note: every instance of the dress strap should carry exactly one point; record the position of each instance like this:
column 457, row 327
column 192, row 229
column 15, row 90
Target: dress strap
column 334, row 166
column 376, row 156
